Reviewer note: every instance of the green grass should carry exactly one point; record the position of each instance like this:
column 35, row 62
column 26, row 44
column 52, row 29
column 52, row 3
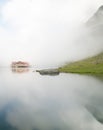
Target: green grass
column 93, row 65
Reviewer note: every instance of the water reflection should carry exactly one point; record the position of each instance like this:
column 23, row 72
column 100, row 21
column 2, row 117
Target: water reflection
column 99, row 77
column 20, row 70
column 4, row 125
column 64, row 102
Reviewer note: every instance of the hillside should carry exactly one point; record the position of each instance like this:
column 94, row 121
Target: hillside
column 96, row 19
column 93, row 65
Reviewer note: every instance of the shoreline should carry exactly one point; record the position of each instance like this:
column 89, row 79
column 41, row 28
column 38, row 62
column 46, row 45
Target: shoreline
column 92, row 65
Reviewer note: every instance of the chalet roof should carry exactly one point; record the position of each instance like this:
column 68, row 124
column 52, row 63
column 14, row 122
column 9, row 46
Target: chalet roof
column 20, row 62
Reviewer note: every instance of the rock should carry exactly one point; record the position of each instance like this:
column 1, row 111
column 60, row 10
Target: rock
column 48, row 72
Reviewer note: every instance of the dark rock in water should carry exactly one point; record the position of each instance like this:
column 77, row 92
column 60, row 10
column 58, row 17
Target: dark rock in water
column 48, row 72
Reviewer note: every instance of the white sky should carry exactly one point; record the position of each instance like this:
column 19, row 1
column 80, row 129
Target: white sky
column 43, row 32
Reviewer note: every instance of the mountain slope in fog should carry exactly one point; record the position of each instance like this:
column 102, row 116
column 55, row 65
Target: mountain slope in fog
column 95, row 24
column 97, row 18
column 93, row 65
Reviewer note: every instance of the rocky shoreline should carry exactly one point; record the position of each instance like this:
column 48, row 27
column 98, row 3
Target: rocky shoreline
column 48, row 72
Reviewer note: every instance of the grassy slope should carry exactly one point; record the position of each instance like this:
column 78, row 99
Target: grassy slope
column 93, row 65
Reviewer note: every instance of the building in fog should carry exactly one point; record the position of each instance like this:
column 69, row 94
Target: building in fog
column 20, row 64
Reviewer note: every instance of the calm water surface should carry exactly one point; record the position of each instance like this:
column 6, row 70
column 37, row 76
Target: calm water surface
column 29, row 101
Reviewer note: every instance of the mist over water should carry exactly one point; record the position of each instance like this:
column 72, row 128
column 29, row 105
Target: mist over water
column 29, row 101
column 47, row 33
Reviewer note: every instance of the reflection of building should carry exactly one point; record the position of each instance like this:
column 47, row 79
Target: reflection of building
column 19, row 64
column 20, row 70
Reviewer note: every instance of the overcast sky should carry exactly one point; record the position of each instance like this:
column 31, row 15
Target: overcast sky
column 43, row 32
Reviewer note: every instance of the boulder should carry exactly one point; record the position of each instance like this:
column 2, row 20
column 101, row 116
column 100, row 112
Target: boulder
column 48, row 72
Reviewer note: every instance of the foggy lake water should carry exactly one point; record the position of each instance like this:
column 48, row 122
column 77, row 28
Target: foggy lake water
column 30, row 101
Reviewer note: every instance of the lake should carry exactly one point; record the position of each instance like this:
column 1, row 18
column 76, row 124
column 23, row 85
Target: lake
column 30, row 101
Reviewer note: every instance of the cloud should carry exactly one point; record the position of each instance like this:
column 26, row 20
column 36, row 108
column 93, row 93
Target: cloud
column 43, row 32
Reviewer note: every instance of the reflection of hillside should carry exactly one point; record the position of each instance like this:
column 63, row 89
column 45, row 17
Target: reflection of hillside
column 98, row 76
column 20, row 70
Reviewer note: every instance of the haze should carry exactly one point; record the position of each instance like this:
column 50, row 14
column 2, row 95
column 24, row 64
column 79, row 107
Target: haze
column 46, row 33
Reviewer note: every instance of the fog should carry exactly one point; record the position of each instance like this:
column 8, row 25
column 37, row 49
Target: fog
column 29, row 101
column 47, row 33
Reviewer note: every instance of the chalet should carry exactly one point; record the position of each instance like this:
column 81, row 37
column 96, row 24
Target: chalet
column 20, row 64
